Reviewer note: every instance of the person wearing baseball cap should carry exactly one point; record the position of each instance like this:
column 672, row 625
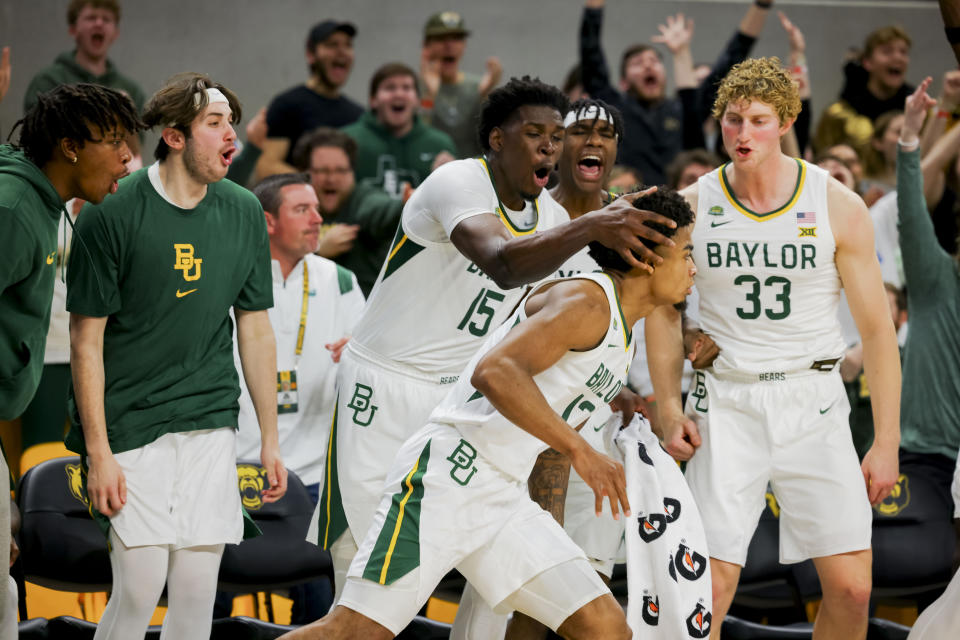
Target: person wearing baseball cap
column 316, row 103
column 449, row 98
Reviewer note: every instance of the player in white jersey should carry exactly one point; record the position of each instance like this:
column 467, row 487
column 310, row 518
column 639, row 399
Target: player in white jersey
column 593, row 130
column 470, row 235
column 776, row 239
column 456, row 493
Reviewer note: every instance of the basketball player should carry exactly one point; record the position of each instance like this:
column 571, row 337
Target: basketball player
column 470, row 236
column 775, row 239
column 154, row 410
column 456, row 493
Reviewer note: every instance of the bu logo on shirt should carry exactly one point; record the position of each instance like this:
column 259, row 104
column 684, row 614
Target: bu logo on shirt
column 360, row 403
column 462, row 459
column 698, row 622
column 185, row 261
column 651, row 609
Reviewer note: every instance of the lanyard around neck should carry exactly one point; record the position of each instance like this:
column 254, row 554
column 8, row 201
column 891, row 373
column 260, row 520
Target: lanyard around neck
column 304, row 306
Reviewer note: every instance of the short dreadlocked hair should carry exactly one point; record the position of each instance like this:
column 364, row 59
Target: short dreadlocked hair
column 176, row 106
column 504, row 102
column 666, row 202
column 71, row 111
column 583, row 104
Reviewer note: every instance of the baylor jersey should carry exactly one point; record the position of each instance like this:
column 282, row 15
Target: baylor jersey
column 431, row 306
column 575, row 386
column 768, row 282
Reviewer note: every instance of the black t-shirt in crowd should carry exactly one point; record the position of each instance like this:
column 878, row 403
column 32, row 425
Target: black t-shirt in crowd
column 300, row 109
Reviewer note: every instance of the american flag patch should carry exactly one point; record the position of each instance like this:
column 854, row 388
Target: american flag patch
column 806, row 217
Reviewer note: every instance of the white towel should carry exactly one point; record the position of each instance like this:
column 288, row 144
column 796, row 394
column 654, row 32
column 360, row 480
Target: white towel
column 668, row 567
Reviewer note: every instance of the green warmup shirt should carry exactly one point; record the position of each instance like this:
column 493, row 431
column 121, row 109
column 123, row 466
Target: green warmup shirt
column 65, row 70
column 166, row 278
column 29, row 211
column 377, row 215
column 930, row 399
column 386, row 162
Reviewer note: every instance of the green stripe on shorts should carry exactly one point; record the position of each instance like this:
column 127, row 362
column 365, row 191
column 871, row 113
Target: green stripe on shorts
column 333, row 520
column 397, row 551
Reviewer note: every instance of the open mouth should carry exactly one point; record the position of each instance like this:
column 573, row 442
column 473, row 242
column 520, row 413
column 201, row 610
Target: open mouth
column 98, row 39
column 541, row 176
column 116, row 183
column 227, row 156
column 398, row 109
column 895, row 72
column 590, row 167
column 743, row 152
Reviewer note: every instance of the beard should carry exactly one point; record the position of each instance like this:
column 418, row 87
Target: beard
column 197, row 169
column 319, row 70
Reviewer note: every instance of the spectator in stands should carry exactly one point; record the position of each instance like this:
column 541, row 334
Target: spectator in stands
column 880, row 166
column 930, row 415
column 874, row 85
column 393, row 145
column 573, row 84
column 323, row 300
column 688, row 166
column 623, row 179
column 317, row 103
column 838, row 170
column 450, row 99
column 93, row 25
column 359, row 219
column 655, row 122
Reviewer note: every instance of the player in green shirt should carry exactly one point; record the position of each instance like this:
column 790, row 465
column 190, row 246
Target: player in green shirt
column 154, row 411
column 71, row 145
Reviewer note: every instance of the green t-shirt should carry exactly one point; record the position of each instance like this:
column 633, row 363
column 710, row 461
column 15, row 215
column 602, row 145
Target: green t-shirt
column 167, row 278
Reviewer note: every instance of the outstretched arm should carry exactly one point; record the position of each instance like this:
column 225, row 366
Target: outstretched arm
column 593, row 64
column 514, row 261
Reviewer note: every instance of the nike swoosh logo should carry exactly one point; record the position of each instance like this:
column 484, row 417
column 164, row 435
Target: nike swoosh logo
column 613, row 346
column 600, row 428
column 51, row 257
column 823, row 411
column 720, row 224
column 180, row 294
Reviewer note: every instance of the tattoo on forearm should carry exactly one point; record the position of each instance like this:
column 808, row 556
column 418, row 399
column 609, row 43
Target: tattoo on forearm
column 548, row 482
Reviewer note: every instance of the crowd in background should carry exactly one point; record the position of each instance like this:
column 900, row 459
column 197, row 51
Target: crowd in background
column 364, row 161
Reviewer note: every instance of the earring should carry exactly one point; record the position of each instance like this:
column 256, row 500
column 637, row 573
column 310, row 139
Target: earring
column 73, row 160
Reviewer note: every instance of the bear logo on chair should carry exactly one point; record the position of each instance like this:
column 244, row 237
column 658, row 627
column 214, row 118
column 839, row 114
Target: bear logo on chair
column 252, row 480
column 75, row 482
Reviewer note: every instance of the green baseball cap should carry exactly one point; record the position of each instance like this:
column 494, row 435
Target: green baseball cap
column 445, row 23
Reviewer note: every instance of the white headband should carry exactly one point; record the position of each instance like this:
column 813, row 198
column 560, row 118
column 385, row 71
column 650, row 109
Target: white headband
column 592, row 112
column 213, row 95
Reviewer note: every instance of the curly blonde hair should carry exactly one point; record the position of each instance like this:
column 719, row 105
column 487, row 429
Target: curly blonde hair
column 762, row 79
